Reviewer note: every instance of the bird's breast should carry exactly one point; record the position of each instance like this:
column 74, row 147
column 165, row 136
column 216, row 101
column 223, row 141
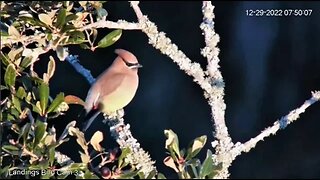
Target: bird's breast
column 121, row 96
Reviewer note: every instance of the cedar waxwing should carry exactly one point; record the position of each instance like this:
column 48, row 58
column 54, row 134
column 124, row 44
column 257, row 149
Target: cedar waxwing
column 114, row 88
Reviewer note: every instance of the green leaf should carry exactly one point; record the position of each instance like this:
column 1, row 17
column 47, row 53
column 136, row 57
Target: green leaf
column 15, row 54
column 26, row 82
column 101, row 13
column 40, row 130
column 4, row 171
column 15, row 112
column 140, row 175
column 51, row 153
column 30, row 20
column 24, row 132
column 61, row 18
column 94, row 34
column 128, row 175
column 51, row 67
column 49, row 36
column 36, row 78
column 2, row 87
column 13, row 31
column 11, row 149
column 4, row 58
column 61, row 53
column 80, row 138
column 76, row 37
column 43, row 95
column 84, row 46
column 10, row 75
column 76, row 34
column 124, row 153
column 161, row 176
column 95, row 141
column 16, row 103
column 26, row 62
column 71, row 17
column 21, row 93
column 44, row 164
column 73, row 40
column 152, row 174
column 36, row 107
column 110, row 38
column 215, row 171
column 56, row 102
column 8, row 117
column 45, row 18
column 196, row 147
column 90, row 175
column 207, row 166
column 172, row 142
column 84, row 157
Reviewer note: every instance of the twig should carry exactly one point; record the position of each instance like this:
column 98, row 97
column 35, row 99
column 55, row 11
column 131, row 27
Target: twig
column 278, row 125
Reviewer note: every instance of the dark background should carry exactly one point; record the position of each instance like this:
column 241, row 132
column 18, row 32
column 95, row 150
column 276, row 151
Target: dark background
column 270, row 66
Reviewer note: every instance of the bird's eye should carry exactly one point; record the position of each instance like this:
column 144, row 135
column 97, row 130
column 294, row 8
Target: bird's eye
column 130, row 64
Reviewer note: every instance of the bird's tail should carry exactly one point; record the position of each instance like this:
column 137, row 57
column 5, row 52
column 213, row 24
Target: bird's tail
column 92, row 116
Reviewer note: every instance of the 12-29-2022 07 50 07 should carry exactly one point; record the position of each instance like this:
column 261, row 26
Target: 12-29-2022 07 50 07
column 278, row 12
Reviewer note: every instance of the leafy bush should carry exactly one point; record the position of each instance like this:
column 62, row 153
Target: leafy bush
column 27, row 143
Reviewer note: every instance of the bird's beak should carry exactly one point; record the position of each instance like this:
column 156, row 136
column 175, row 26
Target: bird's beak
column 136, row 66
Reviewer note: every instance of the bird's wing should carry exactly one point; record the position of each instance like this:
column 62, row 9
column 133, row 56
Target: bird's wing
column 109, row 83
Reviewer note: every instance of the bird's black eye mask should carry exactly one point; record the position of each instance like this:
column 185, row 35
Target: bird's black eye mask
column 132, row 65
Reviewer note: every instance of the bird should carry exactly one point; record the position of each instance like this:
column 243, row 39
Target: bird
column 114, row 88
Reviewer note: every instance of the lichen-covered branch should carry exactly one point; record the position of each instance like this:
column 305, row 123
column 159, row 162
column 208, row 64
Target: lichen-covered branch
column 62, row 159
column 25, row 40
column 211, row 82
column 280, row 124
column 161, row 42
column 137, row 156
column 216, row 101
column 120, row 24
